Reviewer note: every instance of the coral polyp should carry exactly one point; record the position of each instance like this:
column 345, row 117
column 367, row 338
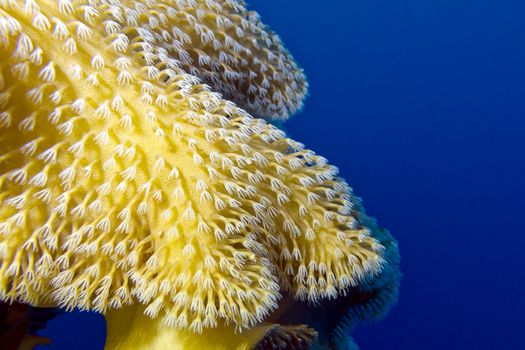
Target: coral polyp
column 129, row 184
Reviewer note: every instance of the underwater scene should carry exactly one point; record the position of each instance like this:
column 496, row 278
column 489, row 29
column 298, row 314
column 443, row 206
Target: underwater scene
column 262, row 174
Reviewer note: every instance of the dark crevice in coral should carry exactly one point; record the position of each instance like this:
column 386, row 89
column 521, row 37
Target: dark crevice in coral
column 19, row 324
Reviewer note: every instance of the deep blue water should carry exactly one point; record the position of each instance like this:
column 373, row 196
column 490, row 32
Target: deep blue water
column 421, row 104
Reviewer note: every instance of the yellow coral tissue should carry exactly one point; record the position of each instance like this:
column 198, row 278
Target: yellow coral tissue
column 137, row 180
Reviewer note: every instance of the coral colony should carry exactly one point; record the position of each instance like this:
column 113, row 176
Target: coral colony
column 139, row 179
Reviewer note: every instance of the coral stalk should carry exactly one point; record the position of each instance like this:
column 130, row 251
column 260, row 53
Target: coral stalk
column 130, row 329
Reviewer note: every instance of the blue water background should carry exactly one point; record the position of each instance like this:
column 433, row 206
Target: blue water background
column 421, row 104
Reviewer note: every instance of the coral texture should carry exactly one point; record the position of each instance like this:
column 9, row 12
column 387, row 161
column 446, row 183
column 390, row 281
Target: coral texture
column 124, row 182
column 224, row 45
column 286, row 337
column 335, row 319
column 221, row 43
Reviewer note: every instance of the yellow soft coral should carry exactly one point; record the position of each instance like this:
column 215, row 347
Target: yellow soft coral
column 334, row 320
column 125, row 183
column 220, row 42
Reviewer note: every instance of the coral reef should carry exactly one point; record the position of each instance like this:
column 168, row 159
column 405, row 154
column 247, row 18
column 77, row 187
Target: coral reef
column 131, row 188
